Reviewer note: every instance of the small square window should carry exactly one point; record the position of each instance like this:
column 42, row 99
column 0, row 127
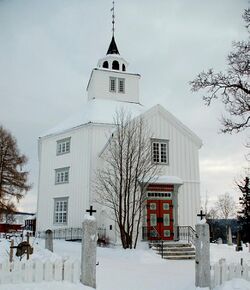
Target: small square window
column 62, row 175
column 63, row 146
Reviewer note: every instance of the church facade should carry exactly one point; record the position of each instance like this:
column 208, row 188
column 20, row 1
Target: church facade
column 69, row 156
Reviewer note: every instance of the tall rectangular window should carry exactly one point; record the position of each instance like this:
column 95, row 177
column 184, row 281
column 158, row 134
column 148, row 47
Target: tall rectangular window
column 61, row 210
column 160, row 151
column 62, row 175
column 121, row 85
column 112, row 84
column 63, row 146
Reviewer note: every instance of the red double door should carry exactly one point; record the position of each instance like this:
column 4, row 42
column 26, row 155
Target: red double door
column 160, row 219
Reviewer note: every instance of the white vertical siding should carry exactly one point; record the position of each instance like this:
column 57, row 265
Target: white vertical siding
column 85, row 146
column 86, row 143
column 183, row 162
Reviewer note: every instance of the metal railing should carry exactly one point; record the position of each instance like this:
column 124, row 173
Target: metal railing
column 186, row 233
column 70, row 234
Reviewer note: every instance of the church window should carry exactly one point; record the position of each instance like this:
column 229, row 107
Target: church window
column 63, row 146
column 105, row 64
column 121, row 85
column 112, row 84
column 123, row 67
column 160, row 151
column 115, row 65
column 62, row 175
column 60, row 210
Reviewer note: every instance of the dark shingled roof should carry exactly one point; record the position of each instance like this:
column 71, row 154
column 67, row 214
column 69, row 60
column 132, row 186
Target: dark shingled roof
column 113, row 47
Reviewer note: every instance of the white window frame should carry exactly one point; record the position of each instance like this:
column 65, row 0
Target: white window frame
column 61, row 210
column 157, row 148
column 112, row 84
column 121, row 85
column 63, row 146
column 62, row 175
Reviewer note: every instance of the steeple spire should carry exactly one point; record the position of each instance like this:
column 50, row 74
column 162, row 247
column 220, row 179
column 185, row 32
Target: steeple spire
column 113, row 47
column 113, row 18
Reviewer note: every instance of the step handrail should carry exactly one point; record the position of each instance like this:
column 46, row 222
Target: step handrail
column 186, row 233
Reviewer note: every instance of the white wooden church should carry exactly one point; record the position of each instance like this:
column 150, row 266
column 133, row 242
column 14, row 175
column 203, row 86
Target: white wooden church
column 69, row 156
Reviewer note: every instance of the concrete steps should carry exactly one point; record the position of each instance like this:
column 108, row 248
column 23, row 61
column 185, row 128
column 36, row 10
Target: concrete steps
column 174, row 251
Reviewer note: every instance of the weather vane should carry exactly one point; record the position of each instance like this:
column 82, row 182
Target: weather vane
column 113, row 18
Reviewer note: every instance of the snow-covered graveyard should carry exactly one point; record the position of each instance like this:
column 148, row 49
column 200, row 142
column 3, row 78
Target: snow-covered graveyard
column 118, row 269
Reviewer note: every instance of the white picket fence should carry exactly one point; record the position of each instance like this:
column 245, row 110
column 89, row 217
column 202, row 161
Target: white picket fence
column 222, row 272
column 37, row 271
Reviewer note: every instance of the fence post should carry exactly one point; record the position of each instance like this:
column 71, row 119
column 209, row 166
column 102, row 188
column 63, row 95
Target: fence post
column 202, row 257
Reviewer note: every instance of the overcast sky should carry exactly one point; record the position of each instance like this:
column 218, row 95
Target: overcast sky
column 48, row 49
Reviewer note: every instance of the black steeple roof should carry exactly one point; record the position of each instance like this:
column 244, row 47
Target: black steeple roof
column 113, row 47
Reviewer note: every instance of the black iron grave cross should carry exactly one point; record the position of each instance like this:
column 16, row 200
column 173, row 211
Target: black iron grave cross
column 91, row 210
column 201, row 214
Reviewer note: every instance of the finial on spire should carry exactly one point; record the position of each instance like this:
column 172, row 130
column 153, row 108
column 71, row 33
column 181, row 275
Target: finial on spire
column 113, row 18
column 113, row 47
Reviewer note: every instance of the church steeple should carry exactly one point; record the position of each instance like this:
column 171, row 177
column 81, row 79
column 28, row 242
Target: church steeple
column 113, row 47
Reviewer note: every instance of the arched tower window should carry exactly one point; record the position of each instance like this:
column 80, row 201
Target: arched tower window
column 123, row 67
column 105, row 64
column 115, row 65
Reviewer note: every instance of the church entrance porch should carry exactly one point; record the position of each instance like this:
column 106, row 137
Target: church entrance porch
column 160, row 216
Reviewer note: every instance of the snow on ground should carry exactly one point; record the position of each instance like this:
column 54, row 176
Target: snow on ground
column 139, row 269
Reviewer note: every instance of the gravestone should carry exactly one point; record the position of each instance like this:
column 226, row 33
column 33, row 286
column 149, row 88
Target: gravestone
column 219, row 241
column 229, row 236
column 49, row 240
column 88, row 260
column 202, row 256
column 239, row 243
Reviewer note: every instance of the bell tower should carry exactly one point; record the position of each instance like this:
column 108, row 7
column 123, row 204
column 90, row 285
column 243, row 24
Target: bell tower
column 111, row 78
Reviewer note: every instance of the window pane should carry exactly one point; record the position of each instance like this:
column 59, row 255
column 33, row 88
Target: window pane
column 68, row 146
column 166, row 233
column 163, row 152
column 112, row 84
column 166, row 221
column 165, row 206
column 156, row 152
column 121, row 85
column 63, row 147
column 153, row 220
column 61, row 211
column 153, row 206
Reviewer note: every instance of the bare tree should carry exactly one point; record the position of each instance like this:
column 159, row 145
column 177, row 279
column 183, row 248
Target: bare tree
column 122, row 181
column 231, row 87
column 13, row 180
column 225, row 205
column 212, row 213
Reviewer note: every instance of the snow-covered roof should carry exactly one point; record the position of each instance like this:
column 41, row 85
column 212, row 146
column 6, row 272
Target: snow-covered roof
column 164, row 179
column 99, row 111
